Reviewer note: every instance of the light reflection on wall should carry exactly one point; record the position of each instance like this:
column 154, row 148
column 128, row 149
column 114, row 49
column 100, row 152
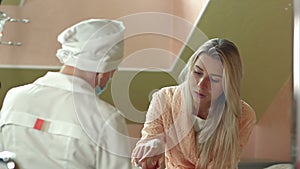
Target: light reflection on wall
column 296, row 86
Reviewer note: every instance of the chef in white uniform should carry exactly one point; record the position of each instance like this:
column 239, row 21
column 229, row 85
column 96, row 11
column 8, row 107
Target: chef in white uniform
column 58, row 121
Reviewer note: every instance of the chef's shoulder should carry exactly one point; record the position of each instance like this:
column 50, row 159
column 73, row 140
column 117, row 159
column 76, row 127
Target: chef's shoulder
column 107, row 110
column 18, row 91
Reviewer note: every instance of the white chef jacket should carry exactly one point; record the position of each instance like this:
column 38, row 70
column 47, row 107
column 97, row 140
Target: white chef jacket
column 58, row 122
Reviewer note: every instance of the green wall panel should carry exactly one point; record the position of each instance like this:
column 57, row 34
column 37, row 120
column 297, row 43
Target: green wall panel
column 12, row 77
column 262, row 30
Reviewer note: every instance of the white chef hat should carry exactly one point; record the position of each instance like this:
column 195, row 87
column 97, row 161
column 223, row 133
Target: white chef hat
column 94, row 45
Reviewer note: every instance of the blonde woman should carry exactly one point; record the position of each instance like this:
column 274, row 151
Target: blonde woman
column 201, row 123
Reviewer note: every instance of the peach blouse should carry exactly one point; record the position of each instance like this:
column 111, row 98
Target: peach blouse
column 165, row 120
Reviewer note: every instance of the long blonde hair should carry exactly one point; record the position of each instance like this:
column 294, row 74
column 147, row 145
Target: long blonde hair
column 223, row 143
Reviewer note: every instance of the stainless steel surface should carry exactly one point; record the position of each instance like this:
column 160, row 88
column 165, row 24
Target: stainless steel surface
column 262, row 164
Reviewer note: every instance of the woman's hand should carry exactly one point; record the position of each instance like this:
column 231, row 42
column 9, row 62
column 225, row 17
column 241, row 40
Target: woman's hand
column 149, row 163
column 147, row 154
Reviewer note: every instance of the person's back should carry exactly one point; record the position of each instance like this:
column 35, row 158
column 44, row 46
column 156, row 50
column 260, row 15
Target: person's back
column 32, row 141
column 42, row 126
column 59, row 122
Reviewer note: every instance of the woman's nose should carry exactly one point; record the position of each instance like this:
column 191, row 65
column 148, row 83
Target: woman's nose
column 204, row 82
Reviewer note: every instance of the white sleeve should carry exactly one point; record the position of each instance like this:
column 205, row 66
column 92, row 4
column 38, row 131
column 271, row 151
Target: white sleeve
column 108, row 160
column 115, row 150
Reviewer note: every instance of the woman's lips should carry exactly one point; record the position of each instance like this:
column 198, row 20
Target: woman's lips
column 200, row 95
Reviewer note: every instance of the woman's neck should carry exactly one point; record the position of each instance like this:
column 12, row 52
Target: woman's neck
column 202, row 115
column 203, row 111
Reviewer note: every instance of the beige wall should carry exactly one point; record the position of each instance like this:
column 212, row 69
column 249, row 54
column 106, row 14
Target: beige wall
column 48, row 18
column 271, row 137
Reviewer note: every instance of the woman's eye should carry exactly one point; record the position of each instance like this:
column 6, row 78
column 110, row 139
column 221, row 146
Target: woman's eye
column 198, row 73
column 215, row 80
